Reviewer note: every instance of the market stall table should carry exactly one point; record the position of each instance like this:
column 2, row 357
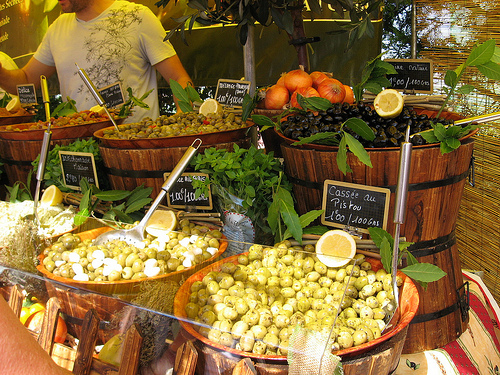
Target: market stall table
column 476, row 351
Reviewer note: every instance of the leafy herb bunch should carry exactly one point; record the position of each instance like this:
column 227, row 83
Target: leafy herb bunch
column 53, row 172
column 246, row 177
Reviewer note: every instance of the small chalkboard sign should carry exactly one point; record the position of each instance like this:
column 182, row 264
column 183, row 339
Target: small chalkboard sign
column 27, row 94
column 349, row 205
column 112, row 95
column 182, row 193
column 414, row 75
column 78, row 165
column 231, row 92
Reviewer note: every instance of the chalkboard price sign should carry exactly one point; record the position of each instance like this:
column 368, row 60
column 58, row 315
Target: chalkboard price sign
column 231, row 92
column 182, row 193
column 112, row 95
column 414, row 75
column 27, row 94
column 78, row 165
column 349, row 205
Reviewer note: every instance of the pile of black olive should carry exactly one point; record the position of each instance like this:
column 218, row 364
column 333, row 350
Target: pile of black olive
column 389, row 132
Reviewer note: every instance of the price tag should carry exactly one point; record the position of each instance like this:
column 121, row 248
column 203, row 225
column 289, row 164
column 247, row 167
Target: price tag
column 78, row 165
column 182, row 193
column 231, row 92
column 27, row 94
column 413, row 75
column 112, row 95
column 349, row 205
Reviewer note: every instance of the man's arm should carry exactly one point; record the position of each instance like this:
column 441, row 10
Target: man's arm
column 172, row 68
column 30, row 73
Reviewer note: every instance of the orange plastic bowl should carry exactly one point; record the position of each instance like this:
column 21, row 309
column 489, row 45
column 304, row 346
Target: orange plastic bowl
column 409, row 302
column 125, row 289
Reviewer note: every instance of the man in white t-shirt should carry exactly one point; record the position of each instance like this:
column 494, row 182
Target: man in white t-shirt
column 113, row 41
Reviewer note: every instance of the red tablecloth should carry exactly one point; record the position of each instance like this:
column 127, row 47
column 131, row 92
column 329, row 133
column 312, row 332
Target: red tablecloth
column 476, row 351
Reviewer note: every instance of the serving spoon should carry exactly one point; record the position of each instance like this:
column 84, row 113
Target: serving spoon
column 135, row 235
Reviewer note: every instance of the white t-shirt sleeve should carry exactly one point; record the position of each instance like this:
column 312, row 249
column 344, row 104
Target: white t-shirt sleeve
column 152, row 35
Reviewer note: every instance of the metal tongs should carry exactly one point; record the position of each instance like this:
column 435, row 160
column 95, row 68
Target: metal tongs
column 97, row 96
column 45, row 146
column 135, row 236
column 399, row 215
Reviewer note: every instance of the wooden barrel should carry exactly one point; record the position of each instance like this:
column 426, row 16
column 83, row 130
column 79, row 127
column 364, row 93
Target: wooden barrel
column 17, row 156
column 128, row 168
column 435, row 191
column 19, row 148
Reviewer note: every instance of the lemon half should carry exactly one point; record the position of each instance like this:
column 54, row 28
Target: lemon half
column 161, row 222
column 52, row 196
column 210, row 106
column 14, row 104
column 388, row 103
column 336, row 248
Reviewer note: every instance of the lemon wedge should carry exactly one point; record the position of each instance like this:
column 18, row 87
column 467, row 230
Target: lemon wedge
column 52, row 196
column 98, row 109
column 161, row 222
column 210, row 106
column 388, row 103
column 14, row 104
column 336, row 248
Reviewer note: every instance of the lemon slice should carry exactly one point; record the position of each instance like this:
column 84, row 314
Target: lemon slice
column 336, row 248
column 210, row 106
column 388, row 103
column 14, row 104
column 161, row 222
column 52, row 196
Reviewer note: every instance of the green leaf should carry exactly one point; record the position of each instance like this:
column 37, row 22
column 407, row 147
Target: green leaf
column 357, row 149
column 138, row 193
column 496, row 55
column 192, row 94
column 81, row 217
column 85, row 200
column 316, row 229
column 445, row 148
column 309, row 217
column 450, row 78
column 250, row 191
column 490, row 69
column 333, row 137
column 137, row 205
column 378, row 235
column 424, row 272
column 440, row 131
column 342, row 156
column 273, row 215
column 263, row 121
column 123, row 217
column 373, row 87
column 452, row 143
column 291, row 220
column 386, row 254
column 361, row 128
column 315, row 103
column 482, row 53
column 429, row 136
column 410, row 258
column 113, row 195
column 465, row 89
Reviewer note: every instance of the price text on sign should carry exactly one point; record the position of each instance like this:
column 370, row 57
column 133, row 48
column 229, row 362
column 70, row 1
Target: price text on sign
column 78, row 165
column 182, row 193
column 27, row 94
column 349, row 205
column 112, row 95
column 413, row 75
column 231, row 92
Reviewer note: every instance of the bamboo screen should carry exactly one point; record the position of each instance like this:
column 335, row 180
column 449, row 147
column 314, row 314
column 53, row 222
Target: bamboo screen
column 447, row 30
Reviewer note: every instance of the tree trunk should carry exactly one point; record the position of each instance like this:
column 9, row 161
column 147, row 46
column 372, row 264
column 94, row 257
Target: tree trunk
column 299, row 35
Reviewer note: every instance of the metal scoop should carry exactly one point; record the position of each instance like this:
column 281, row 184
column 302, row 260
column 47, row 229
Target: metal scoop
column 45, row 147
column 399, row 215
column 135, row 236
